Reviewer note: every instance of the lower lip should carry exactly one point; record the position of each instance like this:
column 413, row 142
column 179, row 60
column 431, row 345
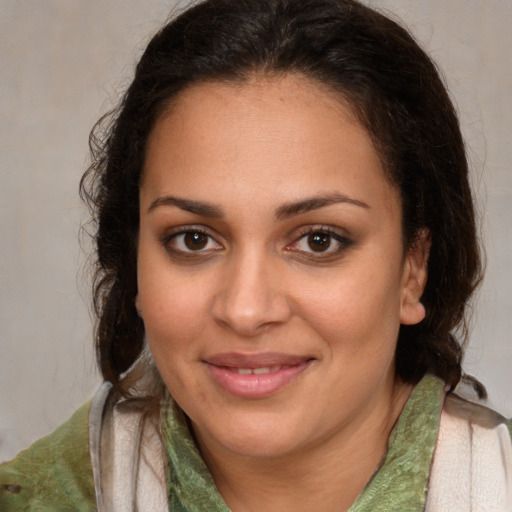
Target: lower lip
column 255, row 385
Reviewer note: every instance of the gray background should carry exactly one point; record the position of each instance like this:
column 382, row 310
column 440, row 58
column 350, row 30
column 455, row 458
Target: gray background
column 63, row 63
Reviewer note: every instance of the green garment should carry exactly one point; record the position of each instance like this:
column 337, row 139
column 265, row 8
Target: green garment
column 55, row 474
column 400, row 483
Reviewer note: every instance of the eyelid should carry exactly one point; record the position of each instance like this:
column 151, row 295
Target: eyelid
column 183, row 230
column 343, row 240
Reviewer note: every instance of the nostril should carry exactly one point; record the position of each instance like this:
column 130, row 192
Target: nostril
column 250, row 300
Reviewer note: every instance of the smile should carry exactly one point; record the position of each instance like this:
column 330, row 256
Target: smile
column 255, row 376
column 257, row 371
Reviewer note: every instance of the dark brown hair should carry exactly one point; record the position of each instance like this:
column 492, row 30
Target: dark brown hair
column 397, row 94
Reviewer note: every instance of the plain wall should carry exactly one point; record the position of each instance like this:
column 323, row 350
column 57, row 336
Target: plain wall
column 62, row 64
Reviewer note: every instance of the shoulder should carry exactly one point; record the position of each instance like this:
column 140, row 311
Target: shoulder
column 479, row 432
column 472, row 466
column 461, row 412
column 54, row 474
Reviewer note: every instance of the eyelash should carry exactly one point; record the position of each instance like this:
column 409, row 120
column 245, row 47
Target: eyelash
column 167, row 240
column 341, row 241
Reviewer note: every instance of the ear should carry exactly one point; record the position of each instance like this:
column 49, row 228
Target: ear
column 137, row 305
column 414, row 279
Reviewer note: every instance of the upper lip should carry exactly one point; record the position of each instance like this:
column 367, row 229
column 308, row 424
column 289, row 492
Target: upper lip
column 251, row 361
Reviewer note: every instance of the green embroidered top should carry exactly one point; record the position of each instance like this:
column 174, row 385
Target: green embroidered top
column 55, row 473
column 400, row 483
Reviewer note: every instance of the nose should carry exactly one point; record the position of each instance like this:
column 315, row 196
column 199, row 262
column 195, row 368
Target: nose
column 252, row 296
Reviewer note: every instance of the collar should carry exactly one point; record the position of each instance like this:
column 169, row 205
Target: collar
column 399, row 484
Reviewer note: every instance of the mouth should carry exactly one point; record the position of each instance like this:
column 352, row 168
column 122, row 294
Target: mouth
column 257, row 375
column 257, row 371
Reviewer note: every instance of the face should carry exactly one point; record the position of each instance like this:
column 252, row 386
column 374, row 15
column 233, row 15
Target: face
column 272, row 275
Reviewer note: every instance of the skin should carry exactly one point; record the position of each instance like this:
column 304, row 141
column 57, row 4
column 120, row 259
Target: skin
column 229, row 171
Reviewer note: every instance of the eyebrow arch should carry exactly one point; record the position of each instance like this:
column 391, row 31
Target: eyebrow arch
column 188, row 205
column 313, row 203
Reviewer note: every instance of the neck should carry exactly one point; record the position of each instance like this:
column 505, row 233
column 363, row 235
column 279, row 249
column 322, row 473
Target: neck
column 332, row 471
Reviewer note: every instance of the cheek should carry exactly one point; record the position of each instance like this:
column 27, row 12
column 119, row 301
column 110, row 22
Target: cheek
column 173, row 314
column 173, row 323
column 355, row 312
column 171, row 305
column 174, row 307
column 168, row 296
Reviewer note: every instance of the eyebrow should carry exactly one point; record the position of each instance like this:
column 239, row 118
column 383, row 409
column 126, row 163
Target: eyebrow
column 314, row 203
column 188, row 205
column 283, row 212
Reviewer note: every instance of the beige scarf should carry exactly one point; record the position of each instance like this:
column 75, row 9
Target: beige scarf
column 472, row 466
column 471, row 469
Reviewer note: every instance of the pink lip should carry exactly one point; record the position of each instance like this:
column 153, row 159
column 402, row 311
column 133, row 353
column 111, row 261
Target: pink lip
column 284, row 368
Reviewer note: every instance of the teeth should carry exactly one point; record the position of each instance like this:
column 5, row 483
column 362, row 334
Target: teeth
column 257, row 371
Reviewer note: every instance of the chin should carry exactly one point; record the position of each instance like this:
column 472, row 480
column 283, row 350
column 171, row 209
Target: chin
column 256, row 438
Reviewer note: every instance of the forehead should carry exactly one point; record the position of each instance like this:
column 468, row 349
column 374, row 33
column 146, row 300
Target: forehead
column 264, row 136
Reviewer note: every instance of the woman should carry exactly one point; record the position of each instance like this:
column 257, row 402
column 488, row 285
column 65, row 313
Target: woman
column 285, row 245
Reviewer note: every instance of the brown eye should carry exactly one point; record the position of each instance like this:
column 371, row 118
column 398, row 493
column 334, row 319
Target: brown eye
column 191, row 241
column 319, row 242
column 195, row 241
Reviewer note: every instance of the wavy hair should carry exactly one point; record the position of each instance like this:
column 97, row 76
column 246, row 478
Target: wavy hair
column 397, row 94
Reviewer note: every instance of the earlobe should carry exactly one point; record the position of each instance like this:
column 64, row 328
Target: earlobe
column 137, row 306
column 414, row 279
